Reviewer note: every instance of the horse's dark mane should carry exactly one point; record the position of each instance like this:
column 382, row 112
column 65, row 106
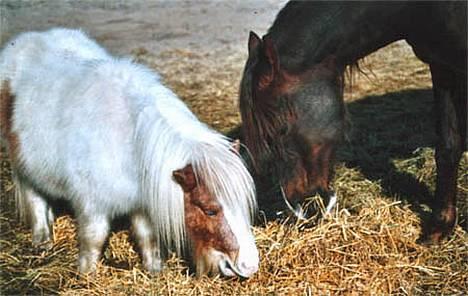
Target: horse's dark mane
column 352, row 71
column 262, row 121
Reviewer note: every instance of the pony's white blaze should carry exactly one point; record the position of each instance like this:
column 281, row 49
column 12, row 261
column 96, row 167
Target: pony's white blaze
column 105, row 134
column 247, row 259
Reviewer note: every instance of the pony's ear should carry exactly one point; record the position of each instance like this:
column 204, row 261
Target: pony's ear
column 271, row 66
column 254, row 42
column 236, row 145
column 185, row 177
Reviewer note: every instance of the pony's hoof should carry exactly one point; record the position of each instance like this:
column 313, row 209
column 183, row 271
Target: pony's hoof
column 86, row 267
column 87, row 264
column 42, row 240
column 155, row 266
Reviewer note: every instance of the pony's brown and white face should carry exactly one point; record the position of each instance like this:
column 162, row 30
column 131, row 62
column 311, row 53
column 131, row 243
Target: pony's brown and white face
column 291, row 121
column 221, row 239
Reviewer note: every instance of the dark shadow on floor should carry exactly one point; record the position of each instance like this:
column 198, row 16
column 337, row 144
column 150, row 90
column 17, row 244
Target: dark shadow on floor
column 387, row 128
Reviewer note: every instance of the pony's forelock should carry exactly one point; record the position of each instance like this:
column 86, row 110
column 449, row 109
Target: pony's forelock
column 165, row 148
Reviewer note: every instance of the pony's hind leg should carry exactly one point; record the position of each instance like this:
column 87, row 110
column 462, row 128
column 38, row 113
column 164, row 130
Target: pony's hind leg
column 35, row 211
column 147, row 243
column 450, row 95
column 93, row 231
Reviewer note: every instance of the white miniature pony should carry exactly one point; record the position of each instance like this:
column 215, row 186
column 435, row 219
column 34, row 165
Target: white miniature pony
column 106, row 135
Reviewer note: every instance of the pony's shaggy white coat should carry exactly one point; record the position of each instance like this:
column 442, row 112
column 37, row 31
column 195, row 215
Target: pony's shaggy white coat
column 105, row 134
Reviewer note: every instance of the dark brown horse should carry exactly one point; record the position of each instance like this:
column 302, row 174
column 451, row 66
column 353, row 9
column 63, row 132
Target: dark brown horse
column 291, row 95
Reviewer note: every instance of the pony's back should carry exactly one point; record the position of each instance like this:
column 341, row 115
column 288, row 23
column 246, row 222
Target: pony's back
column 79, row 104
column 35, row 48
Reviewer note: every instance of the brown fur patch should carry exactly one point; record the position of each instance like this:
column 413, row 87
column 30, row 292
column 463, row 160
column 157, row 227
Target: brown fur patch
column 206, row 225
column 7, row 100
column 6, row 108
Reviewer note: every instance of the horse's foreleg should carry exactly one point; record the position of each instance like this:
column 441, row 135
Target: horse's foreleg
column 93, row 231
column 450, row 96
column 147, row 243
column 35, row 210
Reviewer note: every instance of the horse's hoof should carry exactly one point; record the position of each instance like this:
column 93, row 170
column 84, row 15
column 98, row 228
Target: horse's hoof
column 435, row 235
column 439, row 226
column 428, row 239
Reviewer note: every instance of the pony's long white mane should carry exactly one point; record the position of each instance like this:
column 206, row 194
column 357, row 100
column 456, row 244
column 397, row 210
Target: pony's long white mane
column 173, row 139
column 169, row 137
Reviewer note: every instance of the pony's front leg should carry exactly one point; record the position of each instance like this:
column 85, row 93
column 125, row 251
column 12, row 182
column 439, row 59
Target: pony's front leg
column 34, row 209
column 450, row 94
column 93, row 231
column 146, row 238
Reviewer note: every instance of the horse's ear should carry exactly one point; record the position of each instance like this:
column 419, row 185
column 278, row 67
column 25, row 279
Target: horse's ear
column 269, row 50
column 236, row 145
column 185, row 177
column 254, row 42
column 271, row 67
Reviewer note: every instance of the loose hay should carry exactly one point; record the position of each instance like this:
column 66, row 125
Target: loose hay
column 368, row 245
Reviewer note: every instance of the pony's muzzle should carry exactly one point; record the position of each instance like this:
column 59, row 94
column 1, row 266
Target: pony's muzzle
column 248, row 269
column 229, row 269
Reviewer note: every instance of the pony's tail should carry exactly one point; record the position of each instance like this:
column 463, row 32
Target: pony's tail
column 22, row 206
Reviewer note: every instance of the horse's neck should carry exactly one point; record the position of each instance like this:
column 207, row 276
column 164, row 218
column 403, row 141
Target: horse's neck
column 345, row 31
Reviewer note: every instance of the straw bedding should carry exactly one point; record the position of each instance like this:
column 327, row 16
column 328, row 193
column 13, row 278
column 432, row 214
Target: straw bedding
column 384, row 177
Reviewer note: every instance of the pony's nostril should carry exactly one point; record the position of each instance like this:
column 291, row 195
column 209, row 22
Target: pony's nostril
column 248, row 269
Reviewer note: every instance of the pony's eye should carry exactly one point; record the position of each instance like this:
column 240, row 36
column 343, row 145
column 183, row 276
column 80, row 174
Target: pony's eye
column 211, row 213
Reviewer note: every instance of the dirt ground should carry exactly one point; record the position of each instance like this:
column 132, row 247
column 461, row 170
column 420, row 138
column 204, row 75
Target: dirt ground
column 211, row 26
column 384, row 177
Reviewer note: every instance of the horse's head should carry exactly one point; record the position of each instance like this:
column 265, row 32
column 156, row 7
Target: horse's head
column 292, row 120
column 220, row 236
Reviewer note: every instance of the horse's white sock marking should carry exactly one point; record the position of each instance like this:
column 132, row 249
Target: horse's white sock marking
column 331, row 203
